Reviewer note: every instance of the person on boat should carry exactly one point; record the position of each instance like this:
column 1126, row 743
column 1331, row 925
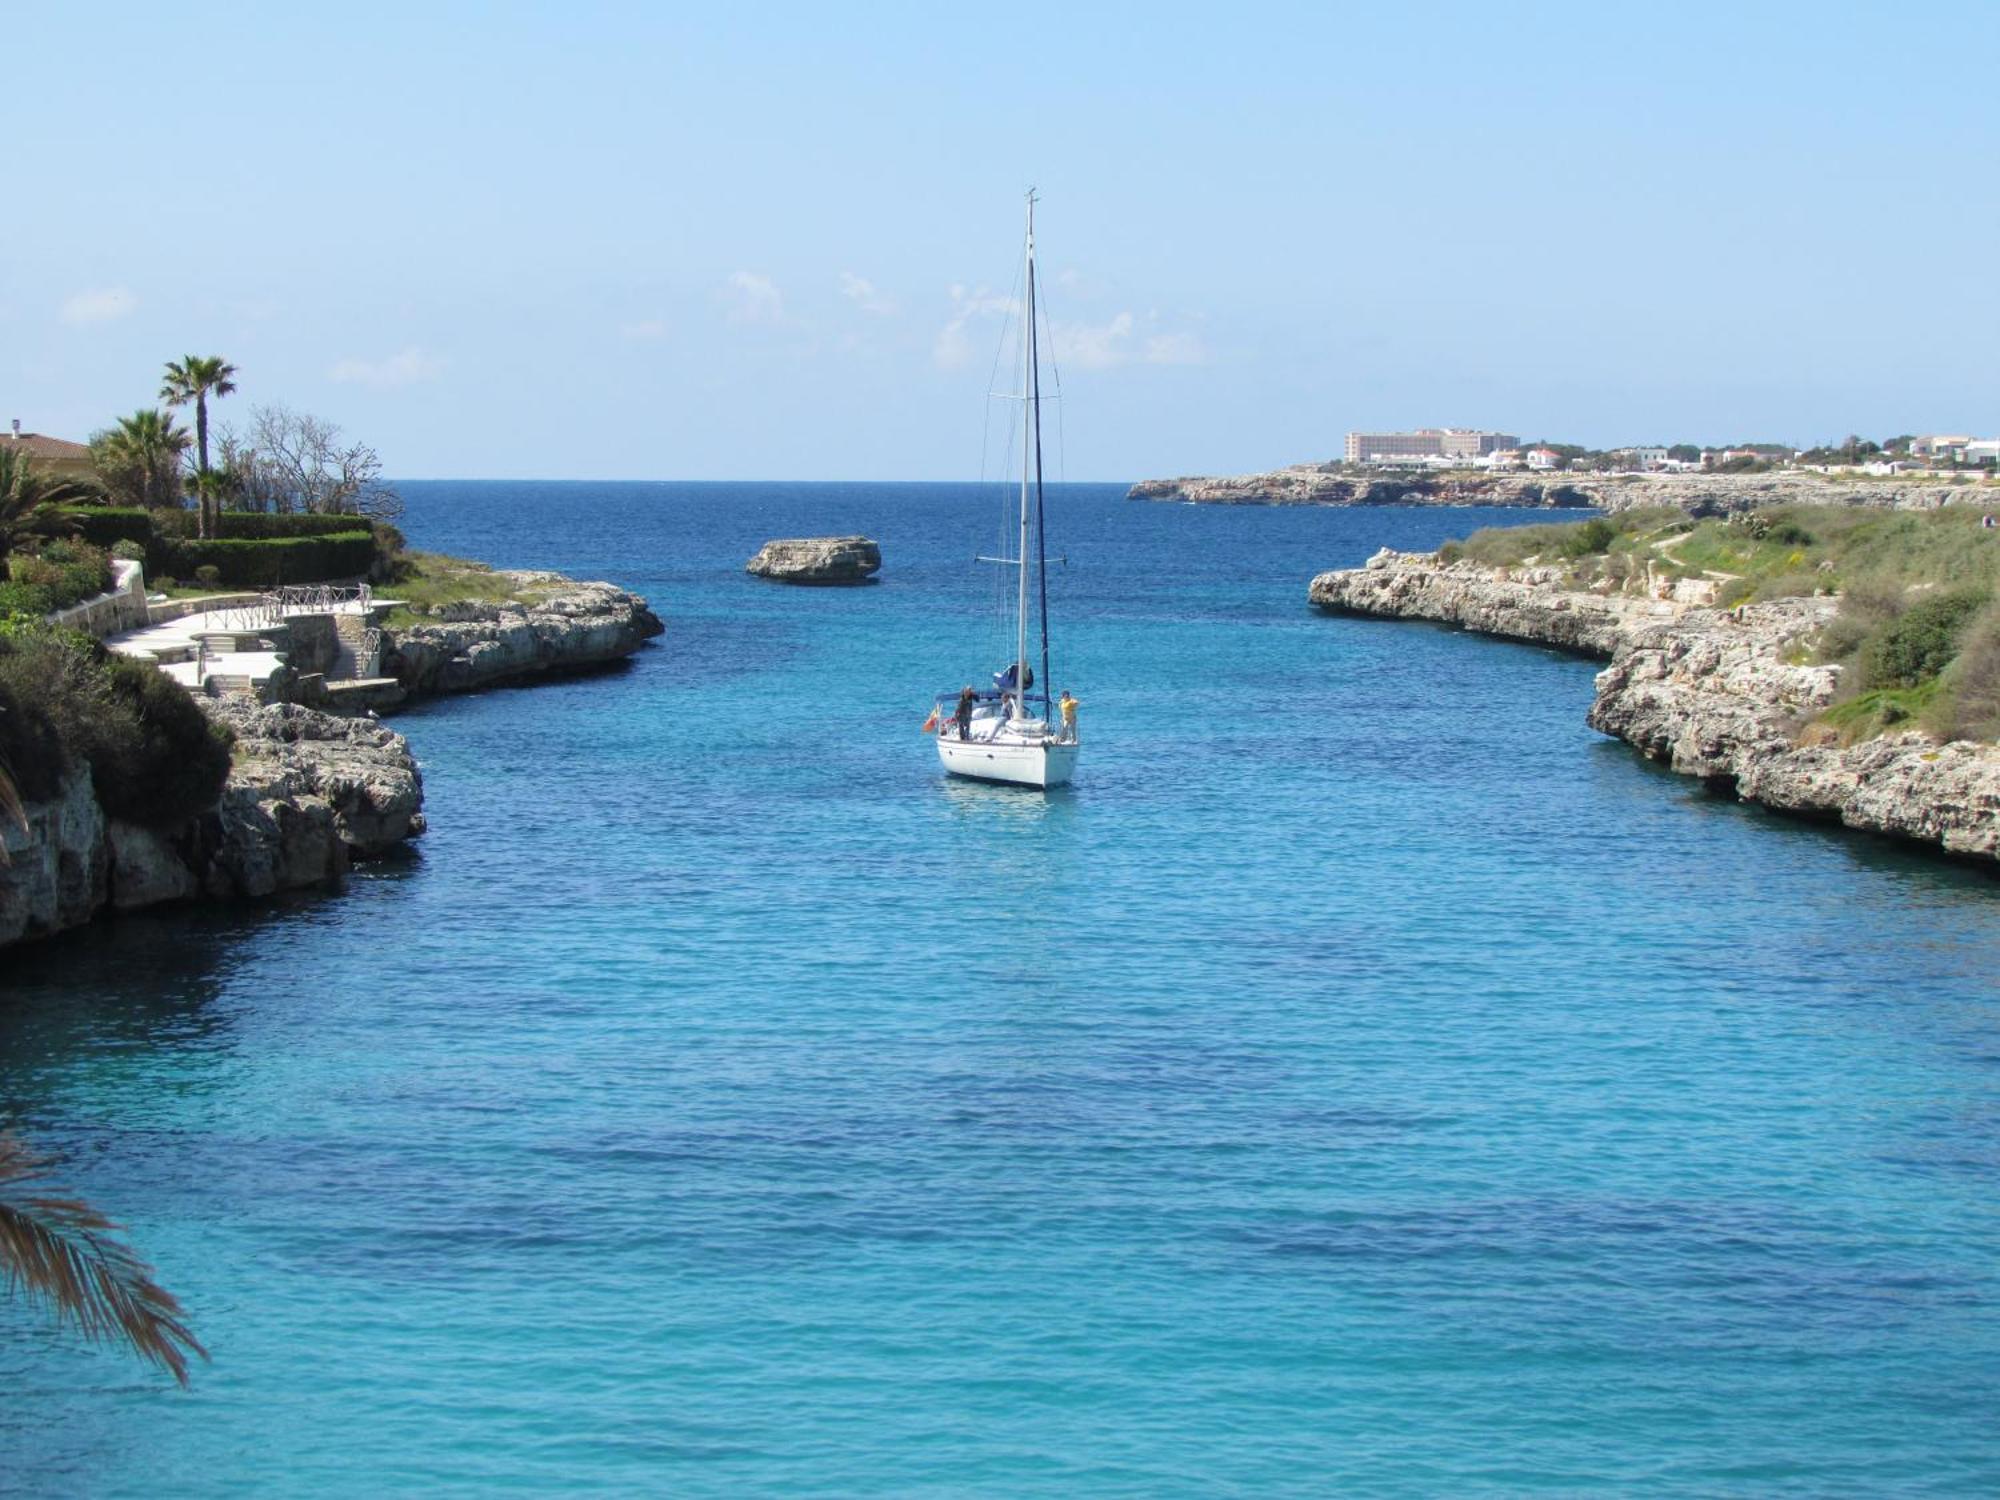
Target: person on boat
column 963, row 717
column 1068, row 705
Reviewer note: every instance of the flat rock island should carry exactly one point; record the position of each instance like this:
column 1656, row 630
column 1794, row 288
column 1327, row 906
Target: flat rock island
column 817, row 560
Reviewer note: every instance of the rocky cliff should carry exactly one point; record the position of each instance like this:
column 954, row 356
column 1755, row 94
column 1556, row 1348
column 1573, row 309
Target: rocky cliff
column 817, row 559
column 473, row 644
column 307, row 792
column 1724, row 695
column 1699, row 494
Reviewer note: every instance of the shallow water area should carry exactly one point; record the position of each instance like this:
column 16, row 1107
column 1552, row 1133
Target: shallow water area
column 1364, row 1078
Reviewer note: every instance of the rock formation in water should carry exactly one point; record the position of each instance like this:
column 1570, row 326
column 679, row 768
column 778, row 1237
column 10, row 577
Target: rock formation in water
column 471, row 644
column 1720, row 694
column 307, row 792
column 817, row 559
column 1698, row 494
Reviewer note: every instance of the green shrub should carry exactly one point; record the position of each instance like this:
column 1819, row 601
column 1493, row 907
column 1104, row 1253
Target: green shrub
column 208, row 575
column 1974, row 682
column 1588, row 537
column 1864, row 608
column 161, row 761
column 1916, row 645
column 128, row 551
column 154, row 757
column 64, row 572
column 267, row 562
column 100, row 525
column 259, row 526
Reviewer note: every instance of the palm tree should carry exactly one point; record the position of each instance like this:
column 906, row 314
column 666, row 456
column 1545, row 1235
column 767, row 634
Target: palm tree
column 140, row 458
column 196, row 379
column 64, row 1252
column 24, row 488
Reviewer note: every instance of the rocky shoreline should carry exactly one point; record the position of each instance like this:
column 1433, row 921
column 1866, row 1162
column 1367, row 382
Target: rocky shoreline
column 1698, row 494
column 1718, row 694
column 467, row 645
column 309, row 792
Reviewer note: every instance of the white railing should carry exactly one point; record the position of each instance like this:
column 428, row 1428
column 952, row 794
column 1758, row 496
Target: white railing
column 321, row 598
column 258, row 614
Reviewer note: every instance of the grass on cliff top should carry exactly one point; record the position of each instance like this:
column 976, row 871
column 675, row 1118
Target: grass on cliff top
column 1918, row 631
column 425, row 580
column 1779, row 552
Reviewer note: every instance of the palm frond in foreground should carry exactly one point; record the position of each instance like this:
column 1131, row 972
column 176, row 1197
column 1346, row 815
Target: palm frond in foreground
column 64, row 1252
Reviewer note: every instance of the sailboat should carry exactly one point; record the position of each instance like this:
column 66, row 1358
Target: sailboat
column 1008, row 732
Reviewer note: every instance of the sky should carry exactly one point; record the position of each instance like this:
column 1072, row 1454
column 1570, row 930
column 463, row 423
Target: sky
column 770, row 241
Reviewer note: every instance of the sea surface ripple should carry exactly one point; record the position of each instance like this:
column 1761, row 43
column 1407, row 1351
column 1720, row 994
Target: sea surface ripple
column 1364, row 1080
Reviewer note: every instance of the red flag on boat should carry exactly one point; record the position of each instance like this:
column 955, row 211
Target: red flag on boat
column 931, row 723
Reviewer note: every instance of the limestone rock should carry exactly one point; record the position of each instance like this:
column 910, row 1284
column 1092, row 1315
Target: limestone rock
column 55, row 875
column 146, row 867
column 340, row 781
column 1713, row 693
column 817, row 559
column 1698, row 494
column 470, row 644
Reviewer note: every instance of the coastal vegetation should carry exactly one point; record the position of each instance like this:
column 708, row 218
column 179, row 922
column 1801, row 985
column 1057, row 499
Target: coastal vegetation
column 428, row 581
column 53, row 575
column 1917, row 631
column 65, row 702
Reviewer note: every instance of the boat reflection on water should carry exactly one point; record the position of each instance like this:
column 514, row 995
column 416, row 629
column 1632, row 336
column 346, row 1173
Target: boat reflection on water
column 999, row 799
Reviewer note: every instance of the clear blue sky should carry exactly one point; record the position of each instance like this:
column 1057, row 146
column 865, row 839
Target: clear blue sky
column 650, row 241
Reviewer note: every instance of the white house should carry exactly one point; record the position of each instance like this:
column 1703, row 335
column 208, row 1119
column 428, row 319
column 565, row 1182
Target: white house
column 1938, row 444
column 1543, row 458
column 1644, row 458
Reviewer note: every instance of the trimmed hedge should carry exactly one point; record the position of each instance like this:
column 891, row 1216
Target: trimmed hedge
column 257, row 526
column 100, row 525
column 278, row 560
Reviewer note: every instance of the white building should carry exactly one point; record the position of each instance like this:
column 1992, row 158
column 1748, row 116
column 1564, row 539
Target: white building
column 1543, row 458
column 1938, row 444
column 1644, row 458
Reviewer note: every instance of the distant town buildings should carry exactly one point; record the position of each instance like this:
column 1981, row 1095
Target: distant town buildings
column 1425, row 444
column 1478, row 448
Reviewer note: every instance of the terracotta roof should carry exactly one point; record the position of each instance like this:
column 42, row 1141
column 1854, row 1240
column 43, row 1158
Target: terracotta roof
column 35, row 445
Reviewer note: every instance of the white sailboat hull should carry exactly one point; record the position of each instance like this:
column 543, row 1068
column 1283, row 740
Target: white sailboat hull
column 1044, row 763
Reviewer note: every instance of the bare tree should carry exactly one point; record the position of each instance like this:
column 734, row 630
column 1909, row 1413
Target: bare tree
column 293, row 461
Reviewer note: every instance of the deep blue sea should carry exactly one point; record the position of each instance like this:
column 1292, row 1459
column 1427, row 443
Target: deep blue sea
column 1364, row 1080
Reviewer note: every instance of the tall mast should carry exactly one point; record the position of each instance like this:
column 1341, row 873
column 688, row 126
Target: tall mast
column 1030, row 439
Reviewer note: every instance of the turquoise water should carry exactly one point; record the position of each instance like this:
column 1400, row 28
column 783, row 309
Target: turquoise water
column 1364, row 1080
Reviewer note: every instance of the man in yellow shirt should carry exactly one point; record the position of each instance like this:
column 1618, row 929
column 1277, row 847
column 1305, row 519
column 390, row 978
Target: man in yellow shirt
column 1068, row 705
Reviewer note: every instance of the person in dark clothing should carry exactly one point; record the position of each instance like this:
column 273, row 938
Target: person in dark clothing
column 963, row 717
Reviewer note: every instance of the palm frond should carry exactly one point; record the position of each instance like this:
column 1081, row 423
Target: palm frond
column 10, row 805
column 64, row 1252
